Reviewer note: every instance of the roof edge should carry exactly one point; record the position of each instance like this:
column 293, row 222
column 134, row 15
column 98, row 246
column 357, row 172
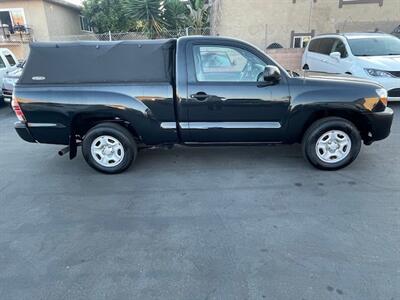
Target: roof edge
column 65, row 3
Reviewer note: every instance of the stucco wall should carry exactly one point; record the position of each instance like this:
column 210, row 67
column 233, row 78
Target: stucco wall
column 21, row 51
column 34, row 15
column 263, row 22
column 62, row 20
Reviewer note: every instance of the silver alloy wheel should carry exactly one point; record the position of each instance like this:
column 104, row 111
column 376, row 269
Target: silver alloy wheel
column 107, row 151
column 333, row 146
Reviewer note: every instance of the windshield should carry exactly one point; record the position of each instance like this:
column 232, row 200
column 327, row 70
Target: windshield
column 375, row 46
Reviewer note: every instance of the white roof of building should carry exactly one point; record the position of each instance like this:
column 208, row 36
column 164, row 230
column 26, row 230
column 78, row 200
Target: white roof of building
column 65, row 3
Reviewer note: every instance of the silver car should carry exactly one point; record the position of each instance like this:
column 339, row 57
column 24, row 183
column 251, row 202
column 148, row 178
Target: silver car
column 9, row 81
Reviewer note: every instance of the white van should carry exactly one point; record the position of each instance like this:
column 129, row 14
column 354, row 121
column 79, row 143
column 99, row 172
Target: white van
column 374, row 56
column 8, row 63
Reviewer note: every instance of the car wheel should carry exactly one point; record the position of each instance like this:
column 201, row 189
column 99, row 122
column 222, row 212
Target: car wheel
column 331, row 143
column 109, row 148
column 306, row 67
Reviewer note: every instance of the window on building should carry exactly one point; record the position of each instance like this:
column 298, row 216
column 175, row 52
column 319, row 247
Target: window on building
column 301, row 41
column 14, row 18
column 226, row 64
column 275, row 46
column 85, row 24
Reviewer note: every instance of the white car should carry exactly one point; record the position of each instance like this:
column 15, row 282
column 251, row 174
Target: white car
column 374, row 56
column 8, row 63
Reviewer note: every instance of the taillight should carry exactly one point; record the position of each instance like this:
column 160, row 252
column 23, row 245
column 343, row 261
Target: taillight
column 17, row 109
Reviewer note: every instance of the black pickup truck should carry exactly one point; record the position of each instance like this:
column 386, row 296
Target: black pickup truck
column 113, row 98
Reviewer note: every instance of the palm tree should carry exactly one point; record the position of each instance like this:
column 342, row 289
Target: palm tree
column 149, row 14
column 196, row 4
column 198, row 15
column 175, row 14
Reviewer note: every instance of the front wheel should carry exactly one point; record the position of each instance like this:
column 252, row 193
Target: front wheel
column 109, row 148
column 331, row 143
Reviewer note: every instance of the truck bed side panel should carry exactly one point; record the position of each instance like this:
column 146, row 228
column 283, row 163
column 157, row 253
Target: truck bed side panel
column 51, row 110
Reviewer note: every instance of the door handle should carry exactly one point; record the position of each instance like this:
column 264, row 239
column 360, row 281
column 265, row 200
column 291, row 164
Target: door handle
column 200, row 96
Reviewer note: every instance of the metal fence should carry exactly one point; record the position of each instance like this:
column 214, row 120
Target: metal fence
column 18, row 43
column 119, row 36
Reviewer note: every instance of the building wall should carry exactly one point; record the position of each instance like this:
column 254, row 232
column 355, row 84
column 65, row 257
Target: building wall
column 263, row 22
column 34, row 14
column 289, row 58
column 20, row 50
column 62, row 21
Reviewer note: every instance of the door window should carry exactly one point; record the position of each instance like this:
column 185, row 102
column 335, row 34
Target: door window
column 10, row 60
column 226, row 64
column 325, row 46
column 340, row 47
column 322, row 45
column 2, row 64
column 314, row 45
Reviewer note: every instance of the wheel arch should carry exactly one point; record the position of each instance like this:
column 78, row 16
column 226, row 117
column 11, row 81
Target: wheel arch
column 358, row 119
column 83, row 122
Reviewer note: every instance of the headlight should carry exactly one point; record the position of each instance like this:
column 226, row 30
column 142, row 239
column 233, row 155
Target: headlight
column 378, row 73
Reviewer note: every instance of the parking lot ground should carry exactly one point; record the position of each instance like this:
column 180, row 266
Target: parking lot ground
column 199, row 223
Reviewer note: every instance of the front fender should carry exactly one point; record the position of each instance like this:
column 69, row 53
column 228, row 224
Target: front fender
column 312, row 100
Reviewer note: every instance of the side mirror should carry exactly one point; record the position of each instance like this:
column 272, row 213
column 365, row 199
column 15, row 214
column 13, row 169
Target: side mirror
column 335, row 55
column 270, row 76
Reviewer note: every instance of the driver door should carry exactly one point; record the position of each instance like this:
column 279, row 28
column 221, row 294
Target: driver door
column 224, row 101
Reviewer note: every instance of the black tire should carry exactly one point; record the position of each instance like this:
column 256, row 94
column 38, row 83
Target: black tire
column 117, row 132
column 321, row 127
column 306, row 67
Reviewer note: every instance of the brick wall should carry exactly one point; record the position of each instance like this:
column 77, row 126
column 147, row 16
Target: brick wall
column 289, row 58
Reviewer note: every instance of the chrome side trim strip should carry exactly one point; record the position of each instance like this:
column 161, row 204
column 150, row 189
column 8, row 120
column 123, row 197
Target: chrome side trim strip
column 168, row 125
column 222, row 125
column 233, row 143
column 44, row 125
column 234, row 125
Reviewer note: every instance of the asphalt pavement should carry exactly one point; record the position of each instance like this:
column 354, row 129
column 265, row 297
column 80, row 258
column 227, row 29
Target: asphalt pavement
column 199, row 223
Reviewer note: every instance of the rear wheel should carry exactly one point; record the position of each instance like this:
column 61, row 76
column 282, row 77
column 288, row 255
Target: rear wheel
column 109, row 148
column 331, row 143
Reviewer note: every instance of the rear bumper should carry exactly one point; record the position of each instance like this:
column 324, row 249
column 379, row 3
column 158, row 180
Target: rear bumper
column 380, row 124
column 23, row 132
column 44, row 133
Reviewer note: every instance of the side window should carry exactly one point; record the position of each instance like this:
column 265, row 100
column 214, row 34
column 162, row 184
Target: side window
column 2, row 64
column 326, row 45
column 314, row 45
column 226, row 64
column 10, row 60
column 341, row 48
